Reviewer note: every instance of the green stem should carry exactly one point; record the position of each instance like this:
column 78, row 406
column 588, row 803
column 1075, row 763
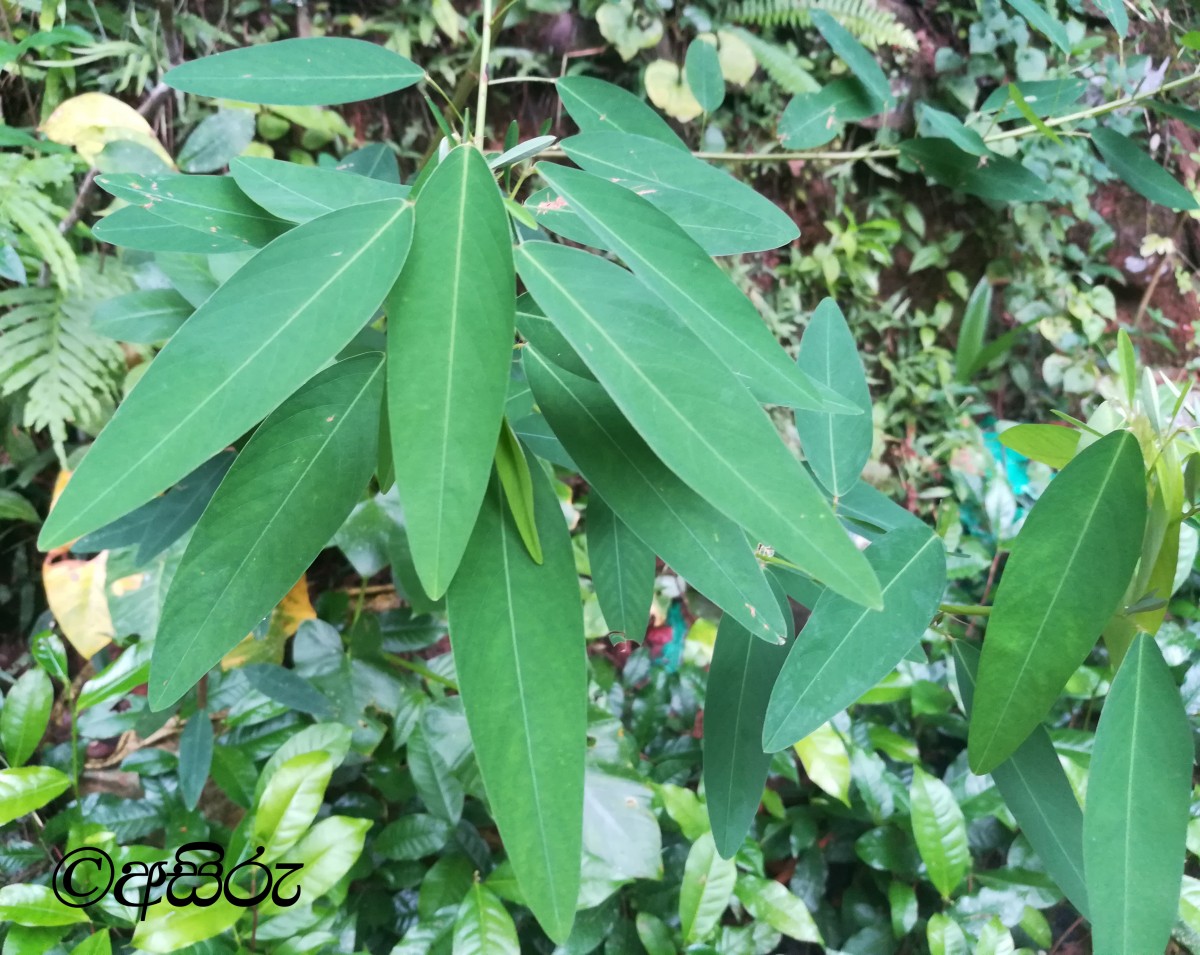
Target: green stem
column 485, row 52
column 966, row 610
column 420, row 670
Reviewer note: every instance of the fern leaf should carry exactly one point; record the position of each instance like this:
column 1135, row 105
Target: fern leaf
column 872, row 26
column 781, row 64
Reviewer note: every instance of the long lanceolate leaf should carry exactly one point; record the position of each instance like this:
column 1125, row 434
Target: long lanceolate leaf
column 251, row 344
column 287, row 493
column 1037, row 792
column 1138, row 799
column 622, row 570
column 699, row 542
column 671, row 387
column 310, row 71
column 673, row 266
column 735, row 765
column 1063, row 581
column 846, row 649
column 516, row 629
column 724, row 215
column 450, row 335
column 836, row 447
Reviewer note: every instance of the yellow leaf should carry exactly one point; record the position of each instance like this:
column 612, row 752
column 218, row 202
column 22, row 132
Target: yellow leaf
column 668, row 90
column 826, row 761
column 91, row 121
column 286, row 618
column 75, row 593
column 737, row 60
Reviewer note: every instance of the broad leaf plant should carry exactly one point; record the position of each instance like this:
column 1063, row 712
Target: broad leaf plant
column 437, row 334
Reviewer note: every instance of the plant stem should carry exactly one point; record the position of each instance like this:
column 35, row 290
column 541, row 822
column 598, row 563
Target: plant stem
column 420, row 670
column 966, row 610
column 485, row 52
column 873, row 152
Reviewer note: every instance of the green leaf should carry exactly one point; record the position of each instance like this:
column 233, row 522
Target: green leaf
column 27, row 789
column 36, row 905
column 517, row 635
column 622, row 570
column 1087, row 526
column 677, row 270
column 30, row 940
column 1003, row 180
column 1127, row 364
column 300, row 193
column 13, row 507
column 483, row 926
column 168, row 929
column 290, row 803
column 1048, row 443
column 902, row 903
column 940, row 832
column 847, row 649
column 144, row 317
column 690, row 535
column 1038, row 794
column 654, row 935
column 945, row 936
column 439, row 790
column 770, row 902
column 1042, row 21
column 513, row 471
column 25, row 715
column 1044, row 97
column 708, row 882
column 1125, row 158
column 211, row 204
column 294, row 305
column 636, row 352
column 289, row 688
column 330, row 738
column 218, row 139
column 826, row 761
column 450, row 337
column 935, row 124
column 972, row 332
column 740, row 678
column 861, row 63
column 50, row 653
column 1014, row 92
column 837, row 447
column 1136, row 817
column 597, row 106
column 285, row 496
column 98, row 943
column 413, row 837
column 813, row 119
column 136, row 228
column 1182, row 113
column 312, row 71
column 446, row 883
column 724, row 215
column 325, row 854
column 703, row 70
column 195, row 757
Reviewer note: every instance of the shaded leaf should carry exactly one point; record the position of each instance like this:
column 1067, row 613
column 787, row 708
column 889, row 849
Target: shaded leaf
column 299, row 193
column 218, row 139
column 992, row 177
column 1139, row 794
column 1087, row 526
column 195, row 757
column 972, row 331
column 25, row 715
column 703, row 70
column 862, row 64
column 622, row 570
column 483, row 926
column 516, row 629
column 1125, row 158
column 136, row 228
column 282, row 500
column 597, row 106
column 206, row 388
column 310, row 71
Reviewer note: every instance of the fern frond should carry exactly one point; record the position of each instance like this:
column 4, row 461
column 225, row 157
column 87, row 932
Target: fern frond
column 26, row 206
column 872, row 26
column 51, row 361
column 779, row 63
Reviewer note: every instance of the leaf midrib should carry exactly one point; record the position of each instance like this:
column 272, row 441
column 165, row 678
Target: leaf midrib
column 668, row 406
column 633, row 465
column 345, row 415
column 115, row 484
column 1016, row 681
